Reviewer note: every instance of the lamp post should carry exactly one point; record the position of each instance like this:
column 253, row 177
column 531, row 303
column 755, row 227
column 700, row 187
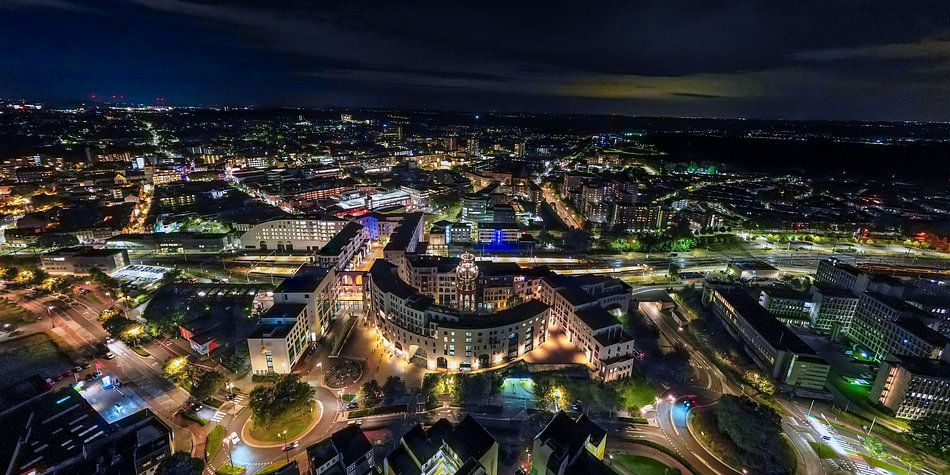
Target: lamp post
column 286, row 452
column 227, row 443
column 49, row 310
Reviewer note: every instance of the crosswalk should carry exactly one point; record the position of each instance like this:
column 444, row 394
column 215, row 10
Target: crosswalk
column 218, row 416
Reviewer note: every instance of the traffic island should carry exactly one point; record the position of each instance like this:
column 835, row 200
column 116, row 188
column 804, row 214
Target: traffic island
column 287, row 430
column 743, row 435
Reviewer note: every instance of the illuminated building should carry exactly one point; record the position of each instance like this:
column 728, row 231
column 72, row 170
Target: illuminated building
column 414, row 326
column 81, row 260
column 292, row 234
column 466, row 282
column 913, row 387
column 772, row 346
column 889, row 326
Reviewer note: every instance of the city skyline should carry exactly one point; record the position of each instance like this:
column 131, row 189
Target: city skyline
column 747, row 60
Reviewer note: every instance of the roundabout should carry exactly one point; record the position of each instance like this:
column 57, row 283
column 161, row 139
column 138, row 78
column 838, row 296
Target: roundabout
column 274, row 437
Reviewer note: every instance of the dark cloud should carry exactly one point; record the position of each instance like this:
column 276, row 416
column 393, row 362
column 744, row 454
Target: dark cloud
column 809, row 58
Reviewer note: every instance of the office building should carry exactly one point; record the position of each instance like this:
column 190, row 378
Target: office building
column 839, row 274
column 280, row 339
column 913, row 387
column 788, row 306
column 81, row 260
column 833, row 309
column 61, row 432
column 889, row 326
column 770, row 344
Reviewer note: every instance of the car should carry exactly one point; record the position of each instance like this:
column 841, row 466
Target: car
column 108, row 355
column 234, row 438
column 78, row 369
column 352, row 405
column 826, row 437
column 93, row 376
column 197, row 407
column 290, row 446
column 84, row 365
column 59, row 377
column 109, row 339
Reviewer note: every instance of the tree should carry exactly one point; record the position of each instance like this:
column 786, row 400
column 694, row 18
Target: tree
column 371, row 393
column 57, row 240
column 207, row 384
column 117, row 324
column 875, row 446
column 473, row 388
column 913, row 460
column 287, row 398
column 393, row 388
column 104, row 281
column 182, row 463
column 175, row 366
column 932, row 431
column 762, row 384
column 756, row 431
column 9, row 273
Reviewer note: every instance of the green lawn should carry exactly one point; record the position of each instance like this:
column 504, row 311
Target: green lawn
column 858, row 395
column 823, row 450
column 273, row 467
column 636, row 392
column 275, row 433
column 12, row 313
column 640, row 465
column 884, row 465
column 213, row 442
column 227, row 469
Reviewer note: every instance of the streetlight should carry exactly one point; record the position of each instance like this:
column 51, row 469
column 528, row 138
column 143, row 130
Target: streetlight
column 227, row 443
column 49, row 310
column 286, row 452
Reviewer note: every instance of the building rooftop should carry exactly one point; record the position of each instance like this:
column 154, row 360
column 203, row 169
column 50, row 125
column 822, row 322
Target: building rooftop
column 567, row 437
column 508, row 316
column 832, row 291
column 777, row 334
column 467, row 439
column 62, row 425
column 786, row 293
column 922, row 366
column 349, row 443
column 339, row 241
column 442, row 264
column 925, row 333
column 307, row 281
column 597, row 318
column 752, row 265
column 403, row 235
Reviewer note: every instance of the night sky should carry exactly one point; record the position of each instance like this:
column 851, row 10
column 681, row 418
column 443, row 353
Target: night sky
column 825, row 59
